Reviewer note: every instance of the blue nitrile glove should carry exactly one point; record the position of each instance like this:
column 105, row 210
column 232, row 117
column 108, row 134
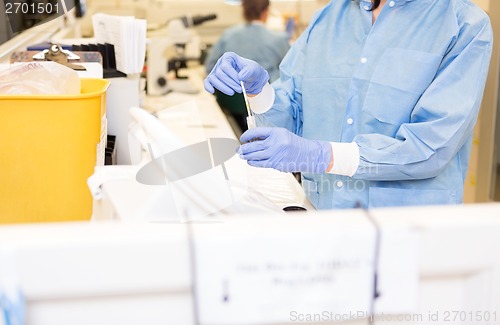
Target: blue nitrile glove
column 13, row 308
column 280, row 149
column 230, row 69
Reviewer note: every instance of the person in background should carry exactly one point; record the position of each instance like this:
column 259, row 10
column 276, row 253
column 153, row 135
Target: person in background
column 252, row 40
column 376, row 102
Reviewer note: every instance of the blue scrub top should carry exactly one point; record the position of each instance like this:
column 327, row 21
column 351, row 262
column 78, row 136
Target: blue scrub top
column 406, row 90
column 252, row 41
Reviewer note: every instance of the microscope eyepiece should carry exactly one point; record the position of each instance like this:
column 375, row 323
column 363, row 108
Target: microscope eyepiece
column 197, row 20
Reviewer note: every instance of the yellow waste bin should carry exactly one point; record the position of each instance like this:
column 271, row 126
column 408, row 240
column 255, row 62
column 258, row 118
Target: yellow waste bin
column 49, row 147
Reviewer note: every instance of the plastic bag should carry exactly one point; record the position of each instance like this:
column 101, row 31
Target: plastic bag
column 39, row 78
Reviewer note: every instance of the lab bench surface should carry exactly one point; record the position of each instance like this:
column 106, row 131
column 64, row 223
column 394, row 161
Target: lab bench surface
column 194, row 119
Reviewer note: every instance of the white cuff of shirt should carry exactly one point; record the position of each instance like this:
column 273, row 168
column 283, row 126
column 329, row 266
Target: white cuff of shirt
column 345, row 158
column 263, row 101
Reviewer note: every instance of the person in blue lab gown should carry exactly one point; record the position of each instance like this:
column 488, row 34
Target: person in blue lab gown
column 375, row 104
column 252, row 40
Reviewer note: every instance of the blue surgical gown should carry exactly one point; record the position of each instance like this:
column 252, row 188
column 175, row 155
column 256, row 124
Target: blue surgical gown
column 252, row 41
column 406, row 90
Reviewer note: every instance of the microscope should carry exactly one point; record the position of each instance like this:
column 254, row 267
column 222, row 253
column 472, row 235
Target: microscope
column 179, row 34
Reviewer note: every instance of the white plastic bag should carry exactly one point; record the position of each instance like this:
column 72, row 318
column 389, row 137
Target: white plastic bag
column 39, row 78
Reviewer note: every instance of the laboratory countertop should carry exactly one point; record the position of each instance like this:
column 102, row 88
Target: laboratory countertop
column 194, row 118
column 431, row 260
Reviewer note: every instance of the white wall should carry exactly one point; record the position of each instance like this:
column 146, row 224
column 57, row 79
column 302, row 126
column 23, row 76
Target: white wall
column 160, row 11
column 485, row 4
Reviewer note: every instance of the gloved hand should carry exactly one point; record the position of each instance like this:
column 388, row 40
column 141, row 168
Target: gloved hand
column 280, row 149
column 230, row 69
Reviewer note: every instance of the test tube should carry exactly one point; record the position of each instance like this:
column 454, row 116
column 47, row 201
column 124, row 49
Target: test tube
column 250, row 117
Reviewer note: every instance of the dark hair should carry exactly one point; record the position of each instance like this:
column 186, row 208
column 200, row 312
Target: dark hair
column 375, row 4
column 252, row 9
